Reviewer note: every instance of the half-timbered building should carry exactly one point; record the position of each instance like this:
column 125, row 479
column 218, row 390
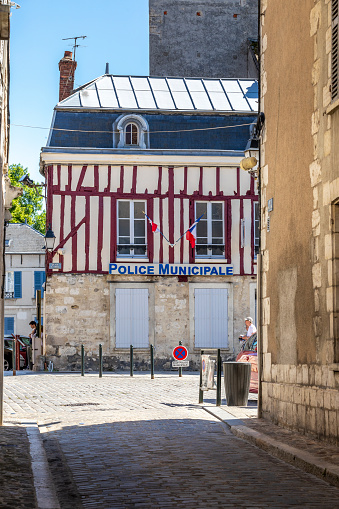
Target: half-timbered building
column 123, row 153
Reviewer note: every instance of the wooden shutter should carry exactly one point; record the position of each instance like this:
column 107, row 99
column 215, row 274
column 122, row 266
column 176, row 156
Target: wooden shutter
column 9, row 325
column 211, row 317
column 131, row 317
column 39, row 279
column 17, row 285
column 335, row 53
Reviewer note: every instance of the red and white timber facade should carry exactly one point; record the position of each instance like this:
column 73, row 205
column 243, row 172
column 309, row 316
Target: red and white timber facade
column 102, row 288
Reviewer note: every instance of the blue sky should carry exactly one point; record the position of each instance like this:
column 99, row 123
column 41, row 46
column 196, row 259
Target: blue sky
column 117, row 32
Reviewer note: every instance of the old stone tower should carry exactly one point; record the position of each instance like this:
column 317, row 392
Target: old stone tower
column 214, row 38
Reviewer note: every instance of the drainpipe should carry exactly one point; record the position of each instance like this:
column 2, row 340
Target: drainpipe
column 259, row 257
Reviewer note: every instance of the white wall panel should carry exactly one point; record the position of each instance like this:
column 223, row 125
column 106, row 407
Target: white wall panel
column 76, row 171
column 93, row 243
column 147, row 178
column 128, row 177
column 156, row 236
column 67, row 228
column 165, row 229
column 211, row 317
column 247, row 249
column 177, row 230
column 228, row 181
column 56, row 218
column 235, row 240
column 89, row 177
column 115, row 178
column 193, row 176
column 55, row 175
column 103, row 178
column 79, row 215
column 105, row 254
column 186, row 225
column 131, row 317
column 209, row 180
column 245, row 182
column 63, row 177
column 178, row 179
column 164, row 180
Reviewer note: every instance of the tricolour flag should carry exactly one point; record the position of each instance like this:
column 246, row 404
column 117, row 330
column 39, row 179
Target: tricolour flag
column 154, row 225
column 191, row 233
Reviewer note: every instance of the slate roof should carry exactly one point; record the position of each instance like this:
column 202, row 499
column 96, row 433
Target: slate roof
column 24, row 239
column 165, row 94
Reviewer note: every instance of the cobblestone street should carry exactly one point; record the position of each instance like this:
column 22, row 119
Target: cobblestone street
column 121, row 442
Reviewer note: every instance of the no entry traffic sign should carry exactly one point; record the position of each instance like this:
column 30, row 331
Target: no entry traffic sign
column 180, row 353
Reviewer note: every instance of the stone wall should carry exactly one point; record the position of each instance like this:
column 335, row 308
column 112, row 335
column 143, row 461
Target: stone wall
column 299, row 281
column 208, row 38
column 79, row 309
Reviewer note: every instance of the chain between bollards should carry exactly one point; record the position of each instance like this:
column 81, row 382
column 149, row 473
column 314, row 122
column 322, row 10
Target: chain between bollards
column 100, row 361
column 152, row 362
column 82, row 360
column 131, row 360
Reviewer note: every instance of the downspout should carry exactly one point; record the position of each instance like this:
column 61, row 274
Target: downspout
column 259, row 256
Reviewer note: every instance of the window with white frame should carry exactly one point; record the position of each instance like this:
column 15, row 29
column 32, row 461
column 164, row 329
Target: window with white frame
column 131, row 229
column 256, row 227
column 131, row 134
column 9, row 285
column 210, row 242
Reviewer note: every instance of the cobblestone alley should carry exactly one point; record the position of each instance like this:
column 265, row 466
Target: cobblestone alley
column 121, row 442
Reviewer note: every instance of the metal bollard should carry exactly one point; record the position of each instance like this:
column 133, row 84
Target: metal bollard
column 152, row 362
column 218, row 403
column 180, row 369
column 82, row 360
column 100, row 361
column 131, row 360
column 14, row 357
column 201, row 392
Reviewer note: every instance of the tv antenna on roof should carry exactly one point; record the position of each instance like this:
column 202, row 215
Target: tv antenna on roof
column 75, row 45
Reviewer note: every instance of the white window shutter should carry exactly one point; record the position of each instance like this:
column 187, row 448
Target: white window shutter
column 131, row 315
column 211, row 317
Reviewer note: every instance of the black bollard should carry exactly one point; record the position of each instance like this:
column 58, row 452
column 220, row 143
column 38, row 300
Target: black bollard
column 201, row 392
column 82, row 360
column 152, row 362
column 131, row 360
column 218, row 379
column 100, row 361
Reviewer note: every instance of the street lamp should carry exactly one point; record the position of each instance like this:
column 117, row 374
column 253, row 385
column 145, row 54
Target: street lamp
column 49, row 239
column 250, row 162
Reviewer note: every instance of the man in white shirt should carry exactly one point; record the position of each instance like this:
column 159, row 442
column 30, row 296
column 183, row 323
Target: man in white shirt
column 250, row 328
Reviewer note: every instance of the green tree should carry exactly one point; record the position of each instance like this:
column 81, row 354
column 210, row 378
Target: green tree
column 29, row 206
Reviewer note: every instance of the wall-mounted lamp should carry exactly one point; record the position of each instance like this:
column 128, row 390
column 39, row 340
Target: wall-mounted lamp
column 250, row 162
column 49, row 239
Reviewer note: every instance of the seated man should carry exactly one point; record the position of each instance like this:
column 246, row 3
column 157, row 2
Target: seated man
column 250, row 328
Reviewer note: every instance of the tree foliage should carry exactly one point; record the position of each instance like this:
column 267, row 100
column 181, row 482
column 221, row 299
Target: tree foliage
column 28, row 207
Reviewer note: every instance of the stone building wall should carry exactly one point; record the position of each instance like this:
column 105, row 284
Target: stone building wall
column 299, row 277
column 202, row 38
column 79, row 309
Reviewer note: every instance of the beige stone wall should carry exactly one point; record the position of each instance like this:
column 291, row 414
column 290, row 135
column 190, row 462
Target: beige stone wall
column 79, row 309
column 299, row 169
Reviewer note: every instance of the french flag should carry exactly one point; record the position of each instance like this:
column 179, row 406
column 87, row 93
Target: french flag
column 191, row 233
column 154, row 225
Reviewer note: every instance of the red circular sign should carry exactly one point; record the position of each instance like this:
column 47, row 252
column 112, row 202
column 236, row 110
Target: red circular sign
column 180, row 353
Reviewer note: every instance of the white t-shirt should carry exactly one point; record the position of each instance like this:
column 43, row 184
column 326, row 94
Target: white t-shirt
column 251, row 330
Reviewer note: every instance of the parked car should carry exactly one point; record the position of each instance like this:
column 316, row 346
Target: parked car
column 23, row 342
column 249, row 354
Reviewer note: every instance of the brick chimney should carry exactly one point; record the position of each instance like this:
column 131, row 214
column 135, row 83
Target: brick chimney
column 67, row 68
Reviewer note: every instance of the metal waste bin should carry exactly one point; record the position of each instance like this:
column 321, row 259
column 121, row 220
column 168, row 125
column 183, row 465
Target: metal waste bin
column 237, row 376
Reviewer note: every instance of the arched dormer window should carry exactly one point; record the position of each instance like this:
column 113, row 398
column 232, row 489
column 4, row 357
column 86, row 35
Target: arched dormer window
column 131, row 131
column 131, row 134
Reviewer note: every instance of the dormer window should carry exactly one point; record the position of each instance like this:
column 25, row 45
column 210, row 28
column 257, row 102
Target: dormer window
column 131, row 131
column 131, row 134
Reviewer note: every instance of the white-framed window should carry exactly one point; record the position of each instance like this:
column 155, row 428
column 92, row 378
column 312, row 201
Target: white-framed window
column 9, row 285
column 131, row 229
column 131, row 131
column 210, row 241
column 131, row 134
column 256, row 227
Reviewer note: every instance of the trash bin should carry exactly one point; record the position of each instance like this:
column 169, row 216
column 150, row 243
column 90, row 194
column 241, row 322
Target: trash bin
column 237, row 376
